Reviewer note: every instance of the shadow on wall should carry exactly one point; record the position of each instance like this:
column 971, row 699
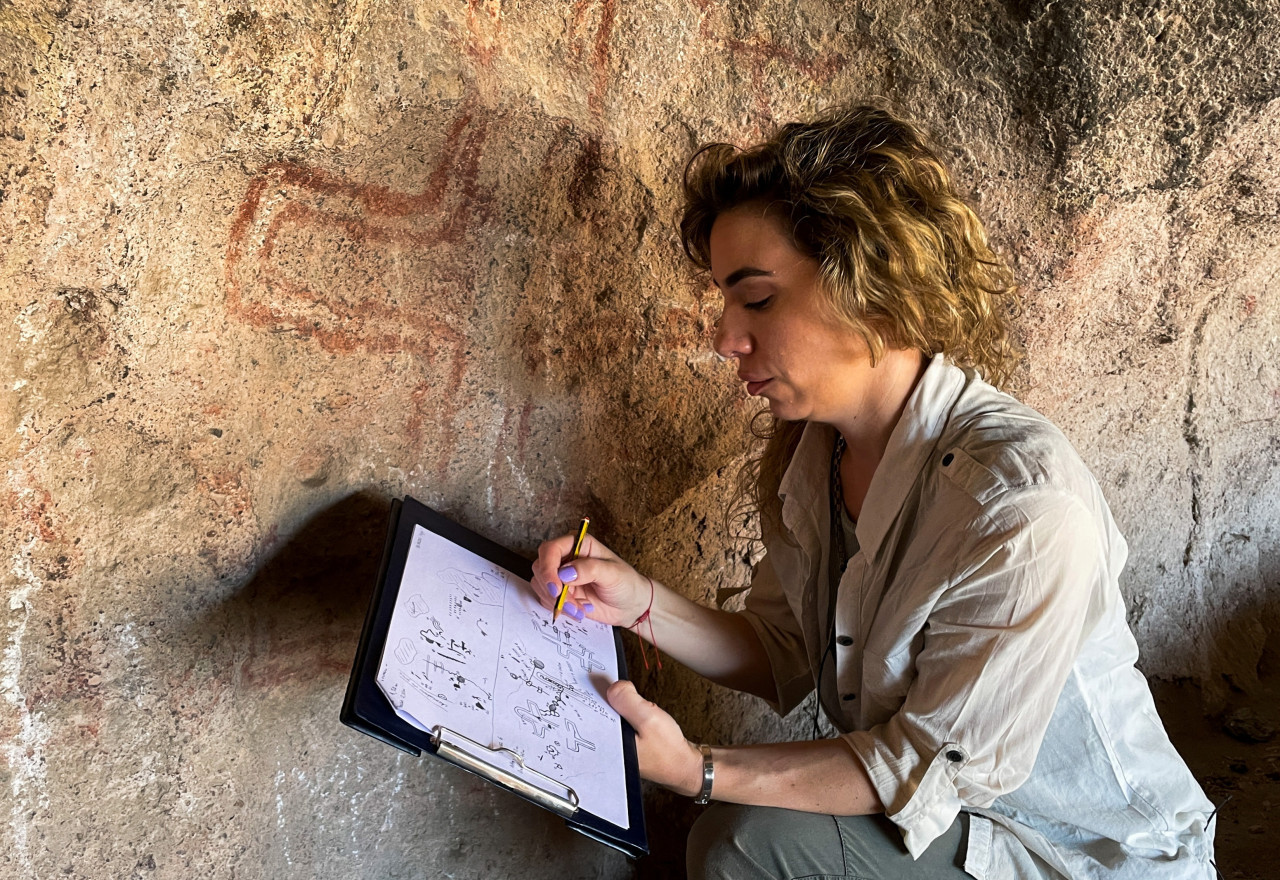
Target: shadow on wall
column 1228, row 727
column 295, row 623
column 1246, row 645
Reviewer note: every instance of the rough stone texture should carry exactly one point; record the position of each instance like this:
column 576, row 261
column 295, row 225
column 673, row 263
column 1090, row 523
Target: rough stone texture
column 263, row 266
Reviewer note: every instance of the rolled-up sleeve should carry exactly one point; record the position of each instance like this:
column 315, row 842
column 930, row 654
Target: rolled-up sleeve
column 775, row 624
column 999, row 642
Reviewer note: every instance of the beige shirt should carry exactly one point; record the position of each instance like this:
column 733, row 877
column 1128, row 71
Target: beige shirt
column 983, row 660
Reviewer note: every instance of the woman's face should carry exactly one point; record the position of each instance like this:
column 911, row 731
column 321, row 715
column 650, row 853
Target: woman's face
column 790, row 347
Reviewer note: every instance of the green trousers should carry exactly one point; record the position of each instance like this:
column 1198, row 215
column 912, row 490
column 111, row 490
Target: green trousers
column 732, row 842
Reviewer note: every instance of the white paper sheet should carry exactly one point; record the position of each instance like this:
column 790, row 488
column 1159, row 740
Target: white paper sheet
column 470, row 649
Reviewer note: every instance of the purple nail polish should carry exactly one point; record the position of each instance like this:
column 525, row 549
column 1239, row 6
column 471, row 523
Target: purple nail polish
column 553, row 590
column 573, row 611
column 568, row 574
column 588, row 607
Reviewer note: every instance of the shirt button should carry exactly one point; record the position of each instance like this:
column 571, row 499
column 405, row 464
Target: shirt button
column 947, row 459
column 954, row 755
column 844, row 641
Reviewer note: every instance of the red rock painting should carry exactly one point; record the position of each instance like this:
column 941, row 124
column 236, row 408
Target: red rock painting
column 759, row 55
column 358, row 267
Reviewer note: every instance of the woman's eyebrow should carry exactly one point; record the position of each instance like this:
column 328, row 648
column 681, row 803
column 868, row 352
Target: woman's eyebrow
column 744, row 272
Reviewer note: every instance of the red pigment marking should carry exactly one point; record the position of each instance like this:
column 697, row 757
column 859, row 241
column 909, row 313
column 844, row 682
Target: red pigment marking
column 459, row 160
column 379, row 222
column 759, row 52
column 598, row 60
column 193, row 698
column 482, row 47
column 33, row 507
column 682, row 328
column 1250, row 305
column 281, row 660
column 27, row 514
column 226, row 486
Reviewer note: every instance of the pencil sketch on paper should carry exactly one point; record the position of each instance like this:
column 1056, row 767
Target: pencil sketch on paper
column 417, row 606
column 529, row 714
column 406, row 653
column 470, row 649
column 577, row 740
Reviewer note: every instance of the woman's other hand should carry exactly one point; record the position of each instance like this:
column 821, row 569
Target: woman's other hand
column 601, row 585
column 665, row 756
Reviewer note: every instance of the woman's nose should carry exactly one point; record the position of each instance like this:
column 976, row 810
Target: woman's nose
column 730, row 339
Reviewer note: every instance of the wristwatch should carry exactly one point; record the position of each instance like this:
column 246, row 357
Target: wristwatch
column 708, row 775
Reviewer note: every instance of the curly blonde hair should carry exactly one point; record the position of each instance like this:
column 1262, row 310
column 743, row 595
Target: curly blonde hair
column 902, row 257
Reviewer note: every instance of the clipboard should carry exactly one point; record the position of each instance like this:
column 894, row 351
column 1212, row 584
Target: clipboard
column 366, row 709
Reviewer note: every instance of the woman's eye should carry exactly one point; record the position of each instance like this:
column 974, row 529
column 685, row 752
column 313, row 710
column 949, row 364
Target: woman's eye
column 759, row 304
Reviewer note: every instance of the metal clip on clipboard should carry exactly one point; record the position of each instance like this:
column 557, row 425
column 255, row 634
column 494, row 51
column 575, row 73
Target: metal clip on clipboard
column 564, row 806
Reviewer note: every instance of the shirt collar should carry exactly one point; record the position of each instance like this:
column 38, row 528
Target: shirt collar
column 912, row 442
column 803, row 489
column 805, row 484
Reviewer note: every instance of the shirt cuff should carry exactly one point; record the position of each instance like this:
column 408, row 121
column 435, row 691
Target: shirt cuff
column 918, row 790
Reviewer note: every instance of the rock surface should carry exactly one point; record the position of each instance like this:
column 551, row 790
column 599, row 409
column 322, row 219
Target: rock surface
column 264, row 266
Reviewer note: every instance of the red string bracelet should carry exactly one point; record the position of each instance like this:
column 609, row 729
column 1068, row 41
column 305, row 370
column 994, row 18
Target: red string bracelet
column 657, row 656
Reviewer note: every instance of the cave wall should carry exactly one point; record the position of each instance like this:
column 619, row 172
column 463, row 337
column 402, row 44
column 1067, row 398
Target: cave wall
column 265, row 266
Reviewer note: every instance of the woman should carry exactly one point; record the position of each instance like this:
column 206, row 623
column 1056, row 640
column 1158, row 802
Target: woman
column 940, row 565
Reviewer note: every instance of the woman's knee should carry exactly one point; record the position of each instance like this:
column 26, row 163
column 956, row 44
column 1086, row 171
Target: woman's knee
column 745, row 843
column 710, row 840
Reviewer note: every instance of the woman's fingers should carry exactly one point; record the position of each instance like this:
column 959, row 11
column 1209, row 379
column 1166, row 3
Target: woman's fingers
column 551, row 570
column 627, row 702
column 575, row 609
column 559, row 551
column 583, row 578
column 598, row 582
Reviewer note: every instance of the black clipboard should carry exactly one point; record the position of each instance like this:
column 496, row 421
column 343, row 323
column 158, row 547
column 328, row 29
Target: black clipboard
column 366, row 709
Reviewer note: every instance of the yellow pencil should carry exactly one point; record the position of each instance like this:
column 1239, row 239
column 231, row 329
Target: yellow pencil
column 564, row 588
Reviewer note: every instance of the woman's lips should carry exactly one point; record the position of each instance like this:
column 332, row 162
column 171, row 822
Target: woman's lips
column 753, row 388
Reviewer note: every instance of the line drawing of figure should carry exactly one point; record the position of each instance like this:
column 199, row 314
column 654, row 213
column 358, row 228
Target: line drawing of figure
column 529, row 714
column 444, row 646
column 291, row 208
column 585, row 657
column 576, row 739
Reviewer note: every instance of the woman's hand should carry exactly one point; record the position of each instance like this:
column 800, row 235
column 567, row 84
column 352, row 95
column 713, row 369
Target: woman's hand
column 665, row 756
column 600, row 584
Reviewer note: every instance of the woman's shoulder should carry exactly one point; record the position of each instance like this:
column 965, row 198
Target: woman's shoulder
column 1000, row 444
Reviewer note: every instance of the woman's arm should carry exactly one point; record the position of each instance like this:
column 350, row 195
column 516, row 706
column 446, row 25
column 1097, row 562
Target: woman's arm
column 718, row 645
column 822, row 776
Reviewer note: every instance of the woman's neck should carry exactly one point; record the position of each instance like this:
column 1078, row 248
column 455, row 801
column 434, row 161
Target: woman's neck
column 867, row 431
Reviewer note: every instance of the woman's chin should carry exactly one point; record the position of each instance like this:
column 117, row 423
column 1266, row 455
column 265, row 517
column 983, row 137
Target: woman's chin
column 781, row 410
